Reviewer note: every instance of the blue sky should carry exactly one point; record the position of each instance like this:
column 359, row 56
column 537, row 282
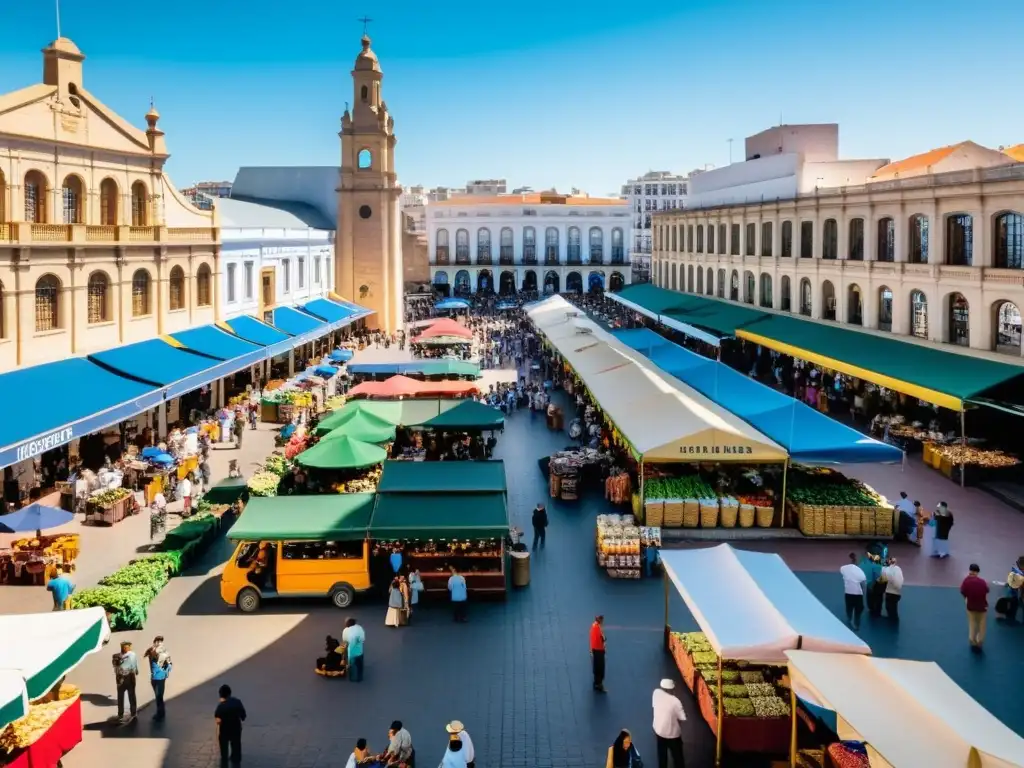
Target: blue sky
column 542, row 93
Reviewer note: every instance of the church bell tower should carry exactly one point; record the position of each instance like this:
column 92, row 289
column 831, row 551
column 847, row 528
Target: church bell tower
column 368, row 247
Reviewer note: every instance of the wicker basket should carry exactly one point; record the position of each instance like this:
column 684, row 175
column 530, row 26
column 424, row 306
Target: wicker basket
column 927, row 452
column 673, row 514
column 654, row 513
column 867, row 521
column 765, row 516
column 708, row 515
column 812, row 520
column 853, row 527
column 883, row 521
column 729, row 515
column 835, row 521
column 746, row 515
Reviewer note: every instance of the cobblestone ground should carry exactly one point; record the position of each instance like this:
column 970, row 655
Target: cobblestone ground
column 517, row 674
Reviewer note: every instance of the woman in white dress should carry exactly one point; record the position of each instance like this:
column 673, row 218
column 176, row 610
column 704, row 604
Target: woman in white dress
column 928, row 536
column 396, row 604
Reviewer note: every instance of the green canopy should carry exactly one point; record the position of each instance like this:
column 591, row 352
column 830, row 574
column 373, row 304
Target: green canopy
column 440, row 516
column 469, row 414
column 227, row 491
column 327, row 517
column 342, row 453
column 398, row 412
column 449, row 368
column 364, row 426
column 442, row 477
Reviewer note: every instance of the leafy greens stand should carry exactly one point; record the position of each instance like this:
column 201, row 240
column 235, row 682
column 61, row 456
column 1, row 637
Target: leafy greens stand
column 753, row 609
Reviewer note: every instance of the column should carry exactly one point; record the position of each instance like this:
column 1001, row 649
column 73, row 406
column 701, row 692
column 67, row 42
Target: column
column 219, row 384
column 161, row 421
column 291, row 363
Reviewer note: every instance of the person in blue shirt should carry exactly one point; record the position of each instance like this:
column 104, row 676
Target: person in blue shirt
column 61, row 587
column 459, row 594
column 396, row 560
column 159, row 669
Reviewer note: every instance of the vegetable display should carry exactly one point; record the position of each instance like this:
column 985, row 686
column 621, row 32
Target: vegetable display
column 334, row 402
column 770, row 706
column 110, row 497
column 967, row 454
column 29, row 729
column 264, row 484
column 277, row 463
column 828, row 488
column 690, row 487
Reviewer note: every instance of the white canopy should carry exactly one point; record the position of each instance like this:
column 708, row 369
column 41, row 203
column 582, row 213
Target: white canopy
column 752, row 607
column 661, row 417
column 38, row 649
column 909, row 713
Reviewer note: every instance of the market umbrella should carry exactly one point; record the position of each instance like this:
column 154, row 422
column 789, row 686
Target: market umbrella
column 395, row 386
column 441, row 341
column 38, row 649
column 366, row 427
column 34, row 517
column 342, row 453
column 445, row 327
column 341, row 355
column 327, row 371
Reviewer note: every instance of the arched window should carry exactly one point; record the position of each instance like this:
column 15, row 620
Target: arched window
column 689, row 238
column 675, row 276
column 734, row 240
column 918, row 253
column 766, row 290
column 506, row 253
column 483, row 246
column 749, row 287
column 461, row 248
column 766, row 239
column 721, row 239
column 1007, row 328
column 98, row 310
column 140, row 205
column 785, row 295
column 203, row 292
column 551, row 245
column 597, row 244
column 721, row 283
column 689, row 279
column 36, row 198
column 575, row 245
column 711, row 238
column 918, row 315
column 856, row 240
column 529, row 245
column 109, row 199
column 700, row 238
column 806, row 239
column 830, row 240
column 828, row 301
column 787, row 240
column 441, row 254
column 959, row 239
column 884, row 309
column 709, row 286
column 806, row 305
column 959, row 320
column 618, row 246
column 750, row 237
column 364, row 160
column 886, row 239
column 700, row 280
column 675, row 240
column 734, row 286
column 854, row 305
column 47, row 303
column 141, row 284
column 72, row 199
column 1009, row 242
column 176, row 288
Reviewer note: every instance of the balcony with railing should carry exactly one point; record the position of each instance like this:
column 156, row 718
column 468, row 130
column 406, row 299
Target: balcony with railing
column 441, row 255
column 619, row 256
column 483, row 256
column 596, row 256
column 506, row 255
column 574, row 255
column 530, row 255
column 30, row 232
column 551, row 256
column 462, row 254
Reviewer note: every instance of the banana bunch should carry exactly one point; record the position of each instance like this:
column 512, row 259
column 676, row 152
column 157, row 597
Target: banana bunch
column 29, row 729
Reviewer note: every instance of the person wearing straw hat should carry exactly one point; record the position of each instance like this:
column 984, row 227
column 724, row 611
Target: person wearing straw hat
column 457, row 732
column 668, row 716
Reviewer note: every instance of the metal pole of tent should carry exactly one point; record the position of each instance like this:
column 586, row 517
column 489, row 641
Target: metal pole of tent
column 782, row 506
column 721, row 716
column 643, row 509
column 792, row 732
column 963, row 440
column 668, row 629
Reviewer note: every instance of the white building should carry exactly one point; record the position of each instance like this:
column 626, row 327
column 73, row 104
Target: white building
column 530, row 242
column 655, row 191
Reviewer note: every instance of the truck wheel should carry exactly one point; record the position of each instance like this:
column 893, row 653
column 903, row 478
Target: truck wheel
column 248, row 600
column 342, row 596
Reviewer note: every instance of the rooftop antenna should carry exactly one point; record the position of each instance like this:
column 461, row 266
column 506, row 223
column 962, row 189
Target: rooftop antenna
column 365, row 21
column 56, row 4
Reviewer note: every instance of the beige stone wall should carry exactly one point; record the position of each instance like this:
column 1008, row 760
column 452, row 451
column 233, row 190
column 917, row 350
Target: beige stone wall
column 415, row 257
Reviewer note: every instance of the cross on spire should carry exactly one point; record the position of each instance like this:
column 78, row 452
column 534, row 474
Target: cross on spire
column 365, row 21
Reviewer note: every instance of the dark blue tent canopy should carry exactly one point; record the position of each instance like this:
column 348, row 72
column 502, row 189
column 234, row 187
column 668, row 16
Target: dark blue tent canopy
column 341, row 355
column 34, row 517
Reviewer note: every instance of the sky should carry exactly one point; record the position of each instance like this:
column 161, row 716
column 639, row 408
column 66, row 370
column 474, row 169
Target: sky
column 545, row 94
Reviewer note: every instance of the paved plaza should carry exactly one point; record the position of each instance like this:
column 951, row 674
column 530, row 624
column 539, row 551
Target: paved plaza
column 518, row 673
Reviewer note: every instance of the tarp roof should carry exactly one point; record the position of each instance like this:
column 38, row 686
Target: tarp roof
column 806, row 433
column 343, row 452
column 212, row 341
column 403, row 386
column 418, row 367
column 909, row 713
column 363, row 425
column 258, row 332
column 439, row 515
column 407, row 413
column 469, row 414
column 662, row 418
column 930, row 374
column 296, row 322
column 442, row 477
column 752, row 607
column 327, row 310
column 444, row 327
column 330, row 517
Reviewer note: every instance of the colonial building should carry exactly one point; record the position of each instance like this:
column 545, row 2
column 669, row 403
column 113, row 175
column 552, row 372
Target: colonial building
column 97, row 246
column 370, row 226
column 529, row 242
column 931, row 246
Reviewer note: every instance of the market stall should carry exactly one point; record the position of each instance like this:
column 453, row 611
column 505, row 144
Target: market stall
column 402, row 386
column 623, row 547
column 750, row 613
column 29, row 560
column 398, row 412
column 443, row 327
column 40, row 717
column 905, row 714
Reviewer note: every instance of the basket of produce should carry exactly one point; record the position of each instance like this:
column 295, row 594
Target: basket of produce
column 928, row 453
column 867, row 521
column 883, row 521
column 673, row 513
column 264, row 484
column 730, row 513
column 853, row 516
column 835, row 520
column 26, row 731
column 708, row 510
column 691, row 513
column 654, row 512
column 765, row 516
column 746, row 516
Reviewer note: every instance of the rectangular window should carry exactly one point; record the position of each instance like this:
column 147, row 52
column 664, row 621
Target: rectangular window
column 806, row 239
column 302, row 271
column 787, row 240
column 248, row 279
column 751, row 239
column 766, row 239
column 700, row 238
column 734, row 237
column 689, row 238
column 322, row 550
column 231, row 282
column 721, row 239
column 316, row 270
column 286, row 267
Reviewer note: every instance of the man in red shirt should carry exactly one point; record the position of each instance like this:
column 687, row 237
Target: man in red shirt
column 597, row 653
column 975, row 592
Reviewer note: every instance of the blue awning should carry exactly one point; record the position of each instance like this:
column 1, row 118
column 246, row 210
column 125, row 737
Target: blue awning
column 452, row 304
column 326, row 371
column 298, row 323
column 341, row 355
column 328, row 311
column 255, row 331
column 212, row 341
column 809, row 435
column 157, row 362
column 80, row 397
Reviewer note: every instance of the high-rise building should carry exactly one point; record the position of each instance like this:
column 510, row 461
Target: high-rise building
column 653, row 192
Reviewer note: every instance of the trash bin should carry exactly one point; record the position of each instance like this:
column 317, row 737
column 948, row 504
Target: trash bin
column 520, row 569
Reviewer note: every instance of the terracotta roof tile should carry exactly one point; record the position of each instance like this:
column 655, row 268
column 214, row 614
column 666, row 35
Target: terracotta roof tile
column 917, row 162
column 535, row 198
column 1016, row 152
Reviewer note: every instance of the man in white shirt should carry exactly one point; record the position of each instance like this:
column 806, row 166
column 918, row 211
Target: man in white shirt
column 458, row 731
column 854, row 581
column 668, row 716
column 186, row 496
column 907, row 514
column 893, row 576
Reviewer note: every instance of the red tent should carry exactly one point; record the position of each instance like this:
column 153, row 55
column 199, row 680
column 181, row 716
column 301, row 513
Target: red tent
column 450, row 388
column 403, row 386
column 445, row 327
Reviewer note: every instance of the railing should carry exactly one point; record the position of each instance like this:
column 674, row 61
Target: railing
column 574, row 255
column 101, row 234
column 51, row 233
column 596, row 258
column 574, row 261
column 506, row 255
column 529, row 257
column 551, row 260
column 483, row 259
column 618, row 257
column 141, row 234
column 5, row 233
column 442, row 256
column 462, row 255
column 190, row 234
